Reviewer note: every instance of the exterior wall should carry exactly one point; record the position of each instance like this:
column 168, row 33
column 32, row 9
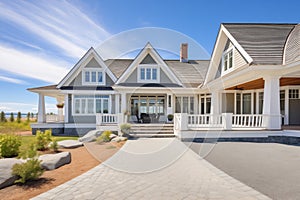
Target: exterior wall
column 93, row 64
column 164, row 78
column 148, row 60
column 133, row 77
column 65, row 131
column 228, row 103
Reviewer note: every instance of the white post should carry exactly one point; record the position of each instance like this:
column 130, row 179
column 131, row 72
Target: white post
column 271, row 105
column 227, row 121
column 41, row 109
column 286, row 107
column 117, row 103
column 66, row 107
column 183, row 121
column 215, row 106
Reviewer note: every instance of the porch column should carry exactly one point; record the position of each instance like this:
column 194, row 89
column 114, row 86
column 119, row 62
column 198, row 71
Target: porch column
column 286, row 107
column 215, row 103
column 41, row 109
column 124, row 105
column 66, row 107
column 117, row 103
column 271, row 105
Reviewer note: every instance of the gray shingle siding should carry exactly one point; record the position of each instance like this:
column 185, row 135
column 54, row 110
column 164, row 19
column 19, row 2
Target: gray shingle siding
column 263, row 42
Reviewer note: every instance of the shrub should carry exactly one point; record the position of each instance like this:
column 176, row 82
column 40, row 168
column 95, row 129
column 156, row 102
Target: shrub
column 12, row 118
column 125, row 128
column 19, row 117
column 30, row 170
column 170, row 117
column 29, row 152
column 28, row 117
column 43, row 139
column 104, row 137
column 54, row 145
column 9, row 145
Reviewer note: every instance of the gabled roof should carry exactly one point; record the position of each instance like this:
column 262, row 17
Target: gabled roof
column 91, row 53
column 190, row 74
column 263, row 42
column 148, row 49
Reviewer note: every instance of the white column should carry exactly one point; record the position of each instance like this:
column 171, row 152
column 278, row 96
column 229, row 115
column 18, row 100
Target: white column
column 271, row 105
column 117, row 103
column 66, row 107
column 124, row 105
column 41, row 109
column 215, row 103
column 252, row 102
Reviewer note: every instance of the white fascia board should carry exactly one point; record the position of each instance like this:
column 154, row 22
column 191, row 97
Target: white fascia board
column 148, row 49
column 237, row 45
column 89, row 92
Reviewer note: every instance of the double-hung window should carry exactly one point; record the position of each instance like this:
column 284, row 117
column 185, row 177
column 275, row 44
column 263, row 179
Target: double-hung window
column 87, row 104
column 227, row 60
column 148, row 73
column 93, row 77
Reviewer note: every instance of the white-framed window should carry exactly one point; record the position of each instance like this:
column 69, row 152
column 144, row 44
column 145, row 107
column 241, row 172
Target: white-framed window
column 93, row 76
column 227, row 60
column 184, row 104
column 90, row 105
column 293, row 94
column 148, row 73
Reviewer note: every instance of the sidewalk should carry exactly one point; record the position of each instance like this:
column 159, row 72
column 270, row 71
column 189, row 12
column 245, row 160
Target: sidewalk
column 159, row 168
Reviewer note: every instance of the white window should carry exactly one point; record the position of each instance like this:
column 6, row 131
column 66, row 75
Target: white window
column 93, row 77
column 148, row 73
column 227, row 60
column 293, row 94
column 89, row 105
column 184, row 104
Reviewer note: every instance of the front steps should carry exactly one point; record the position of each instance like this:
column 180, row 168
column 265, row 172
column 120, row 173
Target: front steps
column 152, row 130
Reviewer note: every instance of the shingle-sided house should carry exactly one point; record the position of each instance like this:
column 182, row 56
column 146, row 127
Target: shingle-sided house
column 251, row 82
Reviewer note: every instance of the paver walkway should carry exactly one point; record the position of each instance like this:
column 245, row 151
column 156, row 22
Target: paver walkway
column 153, row 169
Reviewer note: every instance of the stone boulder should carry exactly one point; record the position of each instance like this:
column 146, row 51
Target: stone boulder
column 69, row 144
column 6, row 177
column 119, row 139
column 112, row 136
column 90, row 136
column 54, row 161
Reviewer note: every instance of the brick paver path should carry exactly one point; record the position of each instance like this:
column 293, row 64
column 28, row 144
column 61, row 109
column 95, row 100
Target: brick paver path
column 159, row 168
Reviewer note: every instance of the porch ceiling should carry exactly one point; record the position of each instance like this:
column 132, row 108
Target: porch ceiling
column 259, row 84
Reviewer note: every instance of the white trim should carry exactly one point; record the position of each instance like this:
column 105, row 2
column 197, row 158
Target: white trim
column 90, row 70
column 148, row 49
column 148, row 66
column 89, row 92
column 91, row 53
column 226, row 52
column 90, row 114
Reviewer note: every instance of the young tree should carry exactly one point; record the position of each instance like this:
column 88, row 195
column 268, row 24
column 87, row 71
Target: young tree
column 32, row 115
column 12, row 118
column 2, row 117
column 19, row 117
column 28, row 117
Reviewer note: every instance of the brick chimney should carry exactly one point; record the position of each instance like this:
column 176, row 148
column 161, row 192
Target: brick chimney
column 184, row 52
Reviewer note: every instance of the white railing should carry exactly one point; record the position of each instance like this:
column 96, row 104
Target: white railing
column 247, row 121
column 206, row 120
column 54, row 118
column 108, row 119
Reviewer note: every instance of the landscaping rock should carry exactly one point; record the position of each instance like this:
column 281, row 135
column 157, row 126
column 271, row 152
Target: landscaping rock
column 69, row 144
column 6, row 178
column 112, row 136
column 90, row 136
column 54, row 161
column 119, row 139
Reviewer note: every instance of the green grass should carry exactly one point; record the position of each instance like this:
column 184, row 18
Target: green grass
column 27, row 140
column 14, row 127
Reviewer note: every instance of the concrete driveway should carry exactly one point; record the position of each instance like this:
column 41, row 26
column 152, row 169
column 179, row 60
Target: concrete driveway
column 159, row 168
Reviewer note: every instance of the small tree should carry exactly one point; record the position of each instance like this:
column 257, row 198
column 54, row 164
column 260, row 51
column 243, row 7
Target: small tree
column 12, row 118
column 19, row 117
column 32, row 115
column 28, row 117
column 2, row 117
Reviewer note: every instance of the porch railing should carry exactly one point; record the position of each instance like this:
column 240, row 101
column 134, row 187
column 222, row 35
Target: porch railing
column 54, row 118
column 108, row 119
column 206, row 120
column 247, row 121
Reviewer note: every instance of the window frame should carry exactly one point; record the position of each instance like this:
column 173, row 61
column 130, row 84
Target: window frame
column 87, row 98
column 145, row 68
column 91, row 71
column 225, row 53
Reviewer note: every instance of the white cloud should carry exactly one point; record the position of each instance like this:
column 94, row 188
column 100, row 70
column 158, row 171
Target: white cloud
column 12, row 80
column 31, row 65
column 58, row 23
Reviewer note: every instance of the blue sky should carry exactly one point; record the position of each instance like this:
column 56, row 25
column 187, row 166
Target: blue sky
column 41, row 40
